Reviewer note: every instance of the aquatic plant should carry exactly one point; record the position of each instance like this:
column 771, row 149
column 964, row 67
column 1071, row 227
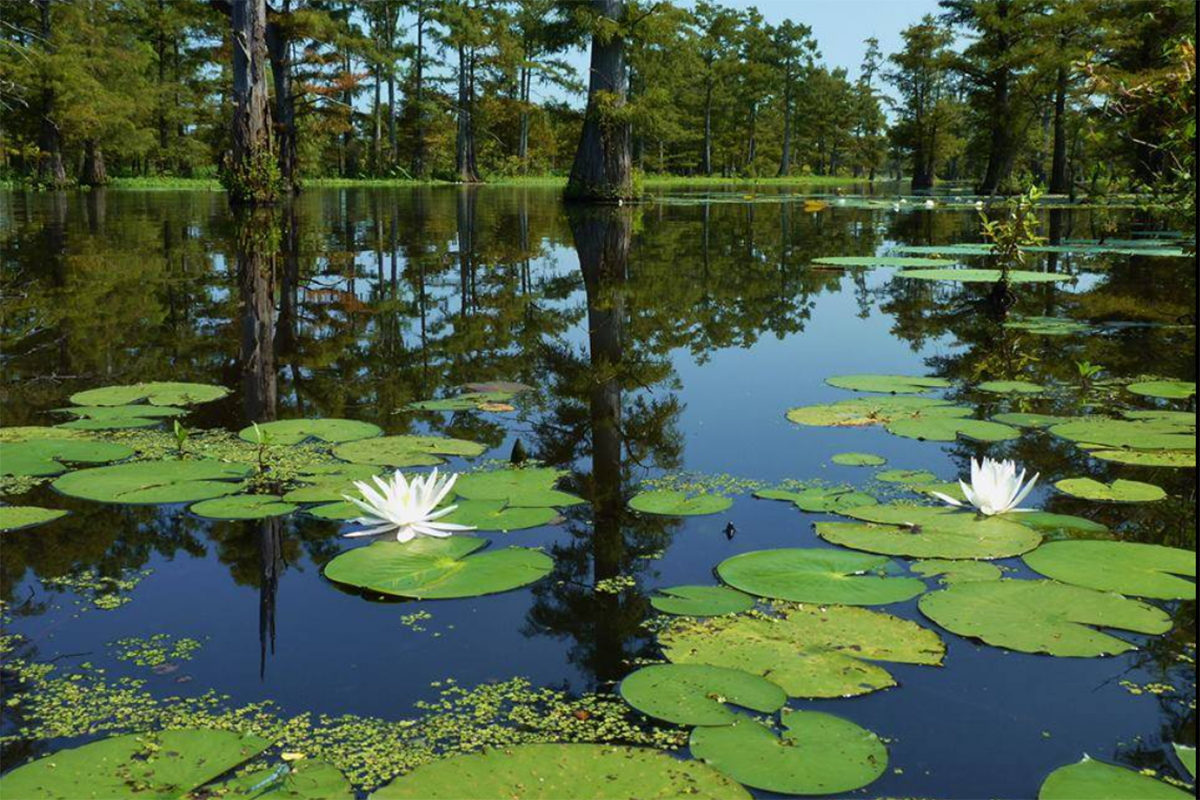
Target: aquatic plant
column 410, row 508
column 995, row 488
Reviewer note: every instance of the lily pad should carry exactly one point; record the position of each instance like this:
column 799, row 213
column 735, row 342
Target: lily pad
column 943, row 428
column 1060, row 524
column 153, row 765
column 438, row 569
column 1023, row 419
column 697, row 694
column 563, row 772
column 523, row 487
column 101, row 418
column 1119, row 491
column 701, row 601
column 906, row 476
column 496, row 515
column 1042, row 616
column 157, row 393
column 983, row 275
column 1134, row 434
column 25, row 433
column 819, row 500
column 950, row 572
column 888, row 384
column 961, row 249
column 340, row 511
column 295, row 431
column 406, row 451
column 307, row 779
column 863, row 411
column 871, row 262
column 1132, row 568
column 817, row 576
column 1011, row 387
column 818, row 754
column 14, row 518
column 1049, row 326
column 155, row 481
column 929, row 532
column 329, row 483
column 671, row 503
column 858, row 460
column 810, row 651
column 243, row 506
column 1096, row 780
column 1173, row 459
column 1166, row 390
column 1187, row 757
column 36, row 458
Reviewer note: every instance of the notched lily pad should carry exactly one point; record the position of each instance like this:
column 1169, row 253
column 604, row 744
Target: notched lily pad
column 818, row 576
column 295, row 431
column 157, row 393
column 37, row 458
column 983, row 275
column 406, row 451
column 1132, row 568
column 496, row 515
column 909, row 477
column 950, row 572
column 155, row 481
column 888, row 384
column 1096, row 780
column 819, row 500
column 14, row 518
column 929, row 532
column 671, row 503
column 858, row 460
column 243, row 506
column 1166, row 390
column 521, row 487
column 1119, row 491
column 871, row 262
column 701, row 601
column 103, row 418
column 1011, row 387
column 697, row 694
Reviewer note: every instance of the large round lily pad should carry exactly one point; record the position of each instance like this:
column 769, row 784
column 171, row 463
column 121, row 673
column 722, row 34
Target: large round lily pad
column 910, row 477
column 950, row 571
column 983, row 275
column 1119, row 491
column 243, row 506
column 406, row 451
column 671, row 503
column 563, row 772
column 809, row 651
column 306, row 779
column 103, row 418
column 1096, row 780
column 819, row 500
column 1011, row 387
column 14, row 518
column 1025, row 419
column 817, row 576
column 1167, row 390
column 158, row 393
column 152, row 765
column 155, row 481
column 818, row 754
column 1042, row 616
column 945, row 428
column 1172, row 459
column 860, row 412
column 36, row 458
column 871, row 262
column 295, row 431
column 1142, row 570
column 496, row 515
column 523, row 487
column 697, row 694
column 701, row 601
column 888, row 384
column 958, row 249
column 330, row 483
column 858, row 460
column 1134, row 434
column 929, row 532
column 438, row 569
column 1059, row 525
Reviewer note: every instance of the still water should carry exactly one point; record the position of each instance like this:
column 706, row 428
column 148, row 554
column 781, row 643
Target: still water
column 662, row 340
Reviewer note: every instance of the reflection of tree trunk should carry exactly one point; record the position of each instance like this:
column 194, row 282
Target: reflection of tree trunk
column 256, row 285
column 466, row 247
column 270, row 564
column 602, row 239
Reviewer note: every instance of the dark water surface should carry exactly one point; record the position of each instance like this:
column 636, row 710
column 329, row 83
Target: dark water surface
column 697, row 326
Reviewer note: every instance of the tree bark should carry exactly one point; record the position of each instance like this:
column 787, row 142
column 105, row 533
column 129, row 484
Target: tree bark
column 603, row 167
column 251, row 114
column 418, row 156
column 1058, row 166
column 93, row 172
column 464, row 156
column 785, row 160
column 278, row 49
column 51, row 171
column 708, row 94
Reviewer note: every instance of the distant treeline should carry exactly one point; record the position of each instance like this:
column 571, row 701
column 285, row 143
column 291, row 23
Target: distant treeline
column 1066, row 93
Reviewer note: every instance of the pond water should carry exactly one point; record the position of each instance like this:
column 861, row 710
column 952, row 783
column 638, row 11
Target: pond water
column 665, row 343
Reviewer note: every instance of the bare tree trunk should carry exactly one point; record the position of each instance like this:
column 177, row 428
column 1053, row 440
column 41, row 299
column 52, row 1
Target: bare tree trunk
column 785, row 160
column 377, row 131
column 1058, row 164
column 418, row 156
column 279, row 51
column 706, row 166
column 603, row 168
column 391, row 95
column 252, row 114
column 50, row 164
column 464, row 156
column 523, row 140
column 93, row 172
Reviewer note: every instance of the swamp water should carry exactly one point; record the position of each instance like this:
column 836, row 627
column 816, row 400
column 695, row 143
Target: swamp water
column 665, row 346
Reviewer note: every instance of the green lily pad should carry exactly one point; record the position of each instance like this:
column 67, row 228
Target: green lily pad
column 307, row 779
column 157, row 393
column 25, row 433
column 470, row 401
column 1167, row 390
column 1173, row 459
column 406, row 451
column 329, row 483
column 1011, row 387
column 243, row 506
column 810, row 651
column 1049, row 326
column 1119, row 491
column 860, row 412
column 947, row 488
column 1187, row 757
column 1096, row 780
column 929, row 532
column 295, row 431
column 819, row 500
column 496, row 515
column 696, row 694
column 983, row 275
column 563, row 772
column 817, row 754
column 152, row 765
column 1134, row 434
column 871, row 262
column 670, row 503
column 940, row 428
column 950, row 572
column 817, row 576
column 340, row 511
column 961, row 249
column 523, row 487
column 1049, row 524
column 888, row 384
column 906, row 476
column 858, row 460
column 1022, row 419
column 102, row 418
column 36, row 458
column 155, row 481
column 1042, row 616
column 1132, row 568
column 701, row 601
column 438, row 569
column 14, row 518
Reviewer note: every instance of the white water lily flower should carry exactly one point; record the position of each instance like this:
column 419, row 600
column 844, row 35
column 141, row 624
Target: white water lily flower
column 995, row 488
column 407, row 507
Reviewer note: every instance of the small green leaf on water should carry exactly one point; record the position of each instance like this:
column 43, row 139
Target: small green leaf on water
column 244, row 506
column 667, row 502
column 858, row 460
column 817, row 576
column 1167, row 390
column 888, row 384
column 906, row 476
column 687, row 694
column 1119, row 491
column 1011, row 387
column 295, row 431
column 14, row 518
column 701, row 601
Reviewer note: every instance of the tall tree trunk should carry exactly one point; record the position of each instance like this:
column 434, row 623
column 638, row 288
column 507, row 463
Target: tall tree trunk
column 251, row 114
column 1058, row 165
column 279, row 51
column 708, row 95
column 1002, row 147
column 377, row 130
column 391, row 95
column 785, row 160
column 464, row 156
column 752, row 142
column 160, row 47
column 603, row 168
column 51, row 171
column 523, row 139
column 93, row 172
column 418, row 155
